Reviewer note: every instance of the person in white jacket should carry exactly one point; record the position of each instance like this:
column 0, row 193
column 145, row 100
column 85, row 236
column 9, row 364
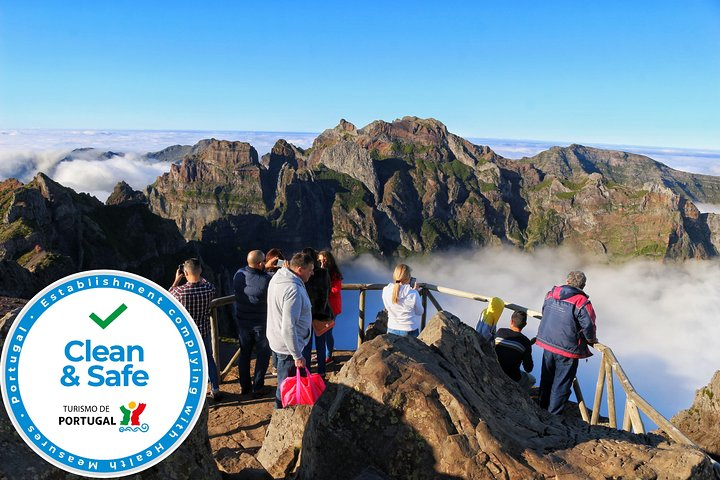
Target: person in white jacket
column 289, row 316
column 403, row 304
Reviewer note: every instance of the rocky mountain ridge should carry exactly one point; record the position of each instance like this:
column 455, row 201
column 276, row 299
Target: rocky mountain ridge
column 390, row 188
column 410, row 186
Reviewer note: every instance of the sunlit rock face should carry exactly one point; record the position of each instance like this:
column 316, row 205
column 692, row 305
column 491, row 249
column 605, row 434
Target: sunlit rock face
column 441, row 407
column 701, row 422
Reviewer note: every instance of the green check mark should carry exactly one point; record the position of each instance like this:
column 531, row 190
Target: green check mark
column 104, row 323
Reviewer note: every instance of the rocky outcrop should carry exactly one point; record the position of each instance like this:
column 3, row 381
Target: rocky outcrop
column 123, row 195
column 701, row 422
column 218, row 178
column 440, row 407
column 48, row 231
column 280, row 452
column 192, row 459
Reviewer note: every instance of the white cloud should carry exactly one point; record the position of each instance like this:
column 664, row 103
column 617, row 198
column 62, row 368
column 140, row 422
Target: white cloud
column 98, row 178
column 656, row 317
column 708, row 208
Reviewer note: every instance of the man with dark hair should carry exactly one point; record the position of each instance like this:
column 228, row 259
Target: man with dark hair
column 251, row 285
column 566, row 330
column 289, row 317
column 195, row 295
column 513, row 349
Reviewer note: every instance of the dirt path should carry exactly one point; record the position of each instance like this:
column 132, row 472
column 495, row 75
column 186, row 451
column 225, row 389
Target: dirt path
column 237, row 424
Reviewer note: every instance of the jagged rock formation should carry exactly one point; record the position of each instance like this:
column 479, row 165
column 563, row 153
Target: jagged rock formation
column 192, row 459
column 48, row 231
column 123, row 195
column 411, row 186
column 701, row 422
column 216, row 179
column 440, row 407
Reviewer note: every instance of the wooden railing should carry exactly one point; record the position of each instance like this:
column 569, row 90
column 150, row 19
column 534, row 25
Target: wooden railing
column 609, row 364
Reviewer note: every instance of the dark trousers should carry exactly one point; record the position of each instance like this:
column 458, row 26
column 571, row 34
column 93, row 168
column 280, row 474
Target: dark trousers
column 330, row 342
column 212, row 367
column 556, row 380
column 320, row 348
column 253, row 337
column 284, row 364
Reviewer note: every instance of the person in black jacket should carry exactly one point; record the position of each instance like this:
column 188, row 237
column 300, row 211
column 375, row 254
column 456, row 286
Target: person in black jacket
column 251, row 287
column 513, row 349
column 318, row 289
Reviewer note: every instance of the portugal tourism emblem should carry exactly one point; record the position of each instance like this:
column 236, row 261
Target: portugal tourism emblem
column 103, row 373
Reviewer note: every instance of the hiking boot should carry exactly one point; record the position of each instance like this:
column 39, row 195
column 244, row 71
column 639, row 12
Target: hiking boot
column 329, row 359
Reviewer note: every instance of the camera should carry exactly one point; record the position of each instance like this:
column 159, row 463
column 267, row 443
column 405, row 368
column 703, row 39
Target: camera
column 181, row 268
column 413, row 282
column 280, row 263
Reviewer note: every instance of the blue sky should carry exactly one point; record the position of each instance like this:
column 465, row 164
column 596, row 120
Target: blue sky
column 616, row 72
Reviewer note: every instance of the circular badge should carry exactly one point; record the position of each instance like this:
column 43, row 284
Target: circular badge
column 103, row 373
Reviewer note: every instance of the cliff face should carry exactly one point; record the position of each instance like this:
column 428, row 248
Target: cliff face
column 216, row 179
column 410, row 186
column 48, row 231
column 701, row 422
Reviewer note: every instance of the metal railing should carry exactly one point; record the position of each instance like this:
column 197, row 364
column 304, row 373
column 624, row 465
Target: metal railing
column 609, row 364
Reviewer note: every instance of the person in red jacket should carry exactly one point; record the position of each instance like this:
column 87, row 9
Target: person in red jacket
column 327, row 261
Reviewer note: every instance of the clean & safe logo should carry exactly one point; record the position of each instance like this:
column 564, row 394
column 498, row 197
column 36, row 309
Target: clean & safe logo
column 103, row 373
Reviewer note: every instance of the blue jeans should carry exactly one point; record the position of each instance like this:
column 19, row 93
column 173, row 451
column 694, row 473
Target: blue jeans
column 556, row 380
column 212, row 367
column 253, row 337
column 320, row 348
column 284, row 364
column 403, row 333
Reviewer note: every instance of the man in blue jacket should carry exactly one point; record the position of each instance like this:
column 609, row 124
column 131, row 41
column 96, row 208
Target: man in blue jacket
column 251, row 287
column 566, row 330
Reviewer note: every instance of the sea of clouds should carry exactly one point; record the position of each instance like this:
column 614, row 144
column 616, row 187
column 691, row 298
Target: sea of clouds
column 659, row 319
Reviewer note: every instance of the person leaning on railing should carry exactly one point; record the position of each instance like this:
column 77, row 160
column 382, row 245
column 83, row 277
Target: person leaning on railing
column 403, row 304
column 566, row 329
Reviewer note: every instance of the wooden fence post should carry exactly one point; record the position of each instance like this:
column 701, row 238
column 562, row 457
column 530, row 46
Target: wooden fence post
column 598, row 391
column 361, row 319
column 610, row 395
column 424, row 305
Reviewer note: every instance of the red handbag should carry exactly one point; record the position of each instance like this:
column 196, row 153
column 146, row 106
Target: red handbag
column 299, row 390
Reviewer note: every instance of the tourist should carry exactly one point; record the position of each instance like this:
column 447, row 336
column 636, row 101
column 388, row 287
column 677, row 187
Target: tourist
column 318, row 289
column 327, row 261
column 566, row 330
column 195, row 295
column 403, row 304
column 274, row 260
column 289, row 316
column 513, row 349
column 251, row 285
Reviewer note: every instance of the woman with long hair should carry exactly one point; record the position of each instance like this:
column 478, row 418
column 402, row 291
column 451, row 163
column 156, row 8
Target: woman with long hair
column 403, row 304
column 327, row 261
